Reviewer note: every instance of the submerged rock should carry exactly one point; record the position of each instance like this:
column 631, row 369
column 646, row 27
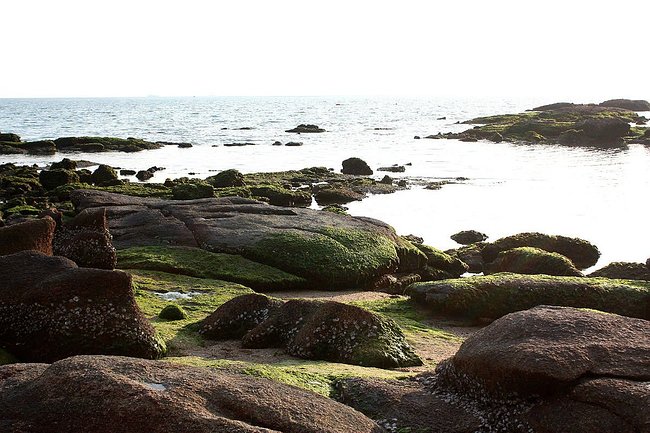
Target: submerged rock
column 528, row 260
column 356, row 166
column 33, row 235
column 467, row 237
column 305, row 128
column 623, row 270
column 493, row 296
column 51, row 309
column 309, row 329
column 103, row 394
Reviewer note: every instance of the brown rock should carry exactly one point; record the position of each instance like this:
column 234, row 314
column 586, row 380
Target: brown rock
column 34, row 235
column 103, row 394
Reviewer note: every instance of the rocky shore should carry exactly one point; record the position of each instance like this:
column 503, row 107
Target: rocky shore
column 232, row 304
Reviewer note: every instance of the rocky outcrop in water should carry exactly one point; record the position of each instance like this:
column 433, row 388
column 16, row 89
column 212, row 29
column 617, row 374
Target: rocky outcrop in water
column 627, row 104
column 103, row 394
column 306, row 129
column 544, row 370
column 51, row 309
column 356, row 166
column 330, row 331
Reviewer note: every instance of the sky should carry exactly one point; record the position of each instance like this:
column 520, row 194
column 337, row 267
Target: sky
column 564, row 49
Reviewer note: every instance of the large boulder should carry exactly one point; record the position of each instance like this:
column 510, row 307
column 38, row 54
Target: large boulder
column 582, row 253
column 328, row 250
column 103, row 174
column 51, row 179
column 86, row 240
column 542, row 350
column 545, row 370
column 238, row 316
column 627, row 104
column 528, row 260
column 356, row 166
column 493, row 296
column 330, row 331
column 102, row 394
column 227, row 179
column 51, row 309
column 623, row 270
column 34, row 235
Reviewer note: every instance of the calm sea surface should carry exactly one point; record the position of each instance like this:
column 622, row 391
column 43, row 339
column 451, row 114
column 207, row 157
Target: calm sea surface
column 601, row 196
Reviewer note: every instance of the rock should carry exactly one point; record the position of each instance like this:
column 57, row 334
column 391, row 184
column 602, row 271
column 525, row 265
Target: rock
column 541, row 350
column 293, row 143
column 582, row 253
column 103, row 174
column 393, row 169
column 493, row 296
column 226, row 179
column 604, row 129
column 528, row 260
column 440, row 265
column 86, row 240
column 356, row 166
column 417, row 137
column 102, row 394
column 34, row 235
column 395, row 284
column 172, row 312
column 238, row 316
column 406, row 405
column 277, row 143
column 326, row 196
column 329, row 250
column 333, row 331
column 144, row 175
column 51, row 179
column 191, row 191
column 52, row 309
column 238, row 144
column 623, row 270
column 101, row 144
column 302, row 128
column 467, row 237
column 279, row 196
column 387, row 180
column 65, row 163
column 554, row 106
column 9, row 138
column 125, row 172
column 627, row 104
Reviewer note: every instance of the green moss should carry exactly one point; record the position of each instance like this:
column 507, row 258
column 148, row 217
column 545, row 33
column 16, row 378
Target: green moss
column 280, row 196
column 196, row 262
column 496, row 295
column 129, row 188
column 333, row 258
column 203, row 297
column 23, row 210
column 172, row 312
column 191, row 191
column 317, row 376
column 235, row 191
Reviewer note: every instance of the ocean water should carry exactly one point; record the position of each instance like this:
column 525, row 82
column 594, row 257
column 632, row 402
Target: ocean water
column 599, row 195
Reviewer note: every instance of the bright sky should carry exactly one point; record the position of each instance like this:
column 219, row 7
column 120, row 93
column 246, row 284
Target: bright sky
column 564, row 49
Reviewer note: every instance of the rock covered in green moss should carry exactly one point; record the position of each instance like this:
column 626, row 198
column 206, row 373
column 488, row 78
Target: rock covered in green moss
column 51, row 179
column 191, row 191
column 440, row 265
column 496, row 295
column 65, row 164
column 51, row 309
column 326, row 250
column 238, row 316
column 35, row 235
column 103, row 144
column 329, row 331
column 172, row 312
column 227, row 179
column 467, row 237
column 103, row 174
column 328, row 196
column 9, row 137
column 196, row 262
column 279, row 196
column 356, row 166
column 624, row 270
column 582, row 253
column 470, row 255
column 529, row 260
column 627, row 104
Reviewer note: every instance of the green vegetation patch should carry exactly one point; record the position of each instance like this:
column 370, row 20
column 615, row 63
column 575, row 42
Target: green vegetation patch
column 331, row 259
column 196, row 262
column 496, row 295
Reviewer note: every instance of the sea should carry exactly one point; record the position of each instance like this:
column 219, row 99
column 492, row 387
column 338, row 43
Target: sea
column 598, row 195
